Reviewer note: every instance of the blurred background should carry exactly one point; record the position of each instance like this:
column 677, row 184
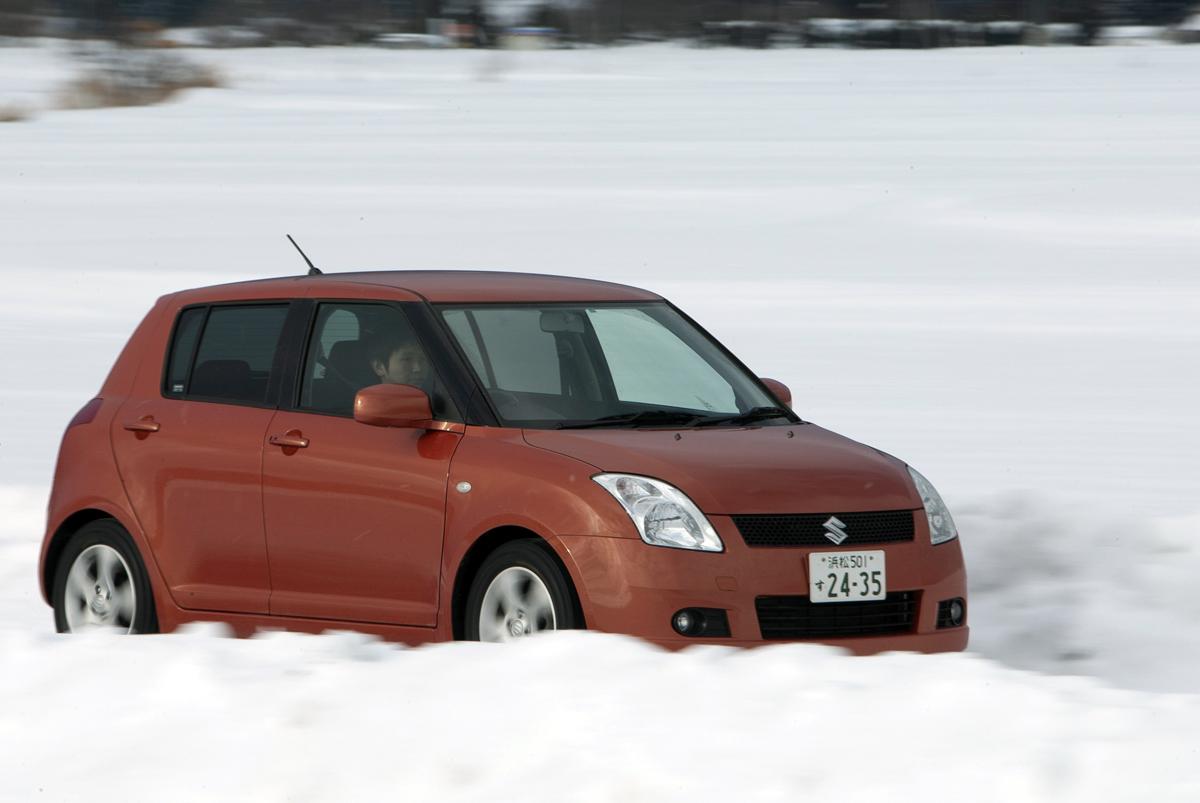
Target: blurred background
column 962, row 232
column 485, row 23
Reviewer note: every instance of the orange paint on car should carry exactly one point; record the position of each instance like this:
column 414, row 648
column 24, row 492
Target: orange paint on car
column 385, row 451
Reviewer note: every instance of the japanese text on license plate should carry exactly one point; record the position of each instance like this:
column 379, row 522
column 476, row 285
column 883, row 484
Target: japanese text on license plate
column 847, row 576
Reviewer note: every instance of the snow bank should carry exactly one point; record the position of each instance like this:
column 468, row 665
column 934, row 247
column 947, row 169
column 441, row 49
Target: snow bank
column 1057, row 590
column 982, row 261
column 1072, row 591
column 572, row 716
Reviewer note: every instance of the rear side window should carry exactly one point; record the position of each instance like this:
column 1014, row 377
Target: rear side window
column 235, row 356
column 187, row 332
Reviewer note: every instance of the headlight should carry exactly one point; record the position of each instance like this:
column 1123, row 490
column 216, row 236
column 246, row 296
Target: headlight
column 941, row 524
column 662, row 513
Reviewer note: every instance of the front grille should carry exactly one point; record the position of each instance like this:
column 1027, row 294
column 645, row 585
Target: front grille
column 808, row 529
column 798, row 618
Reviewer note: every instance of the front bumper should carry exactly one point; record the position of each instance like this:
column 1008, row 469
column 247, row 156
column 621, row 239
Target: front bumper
column 627, row 586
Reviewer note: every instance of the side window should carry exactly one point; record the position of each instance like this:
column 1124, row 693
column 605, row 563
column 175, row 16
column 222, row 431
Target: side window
column 187, row 332
column 237, row 352
column 354, row 346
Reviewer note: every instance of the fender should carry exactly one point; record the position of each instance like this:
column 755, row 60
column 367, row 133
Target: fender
column 70, row 514
column 543, row 492
column 85, row 475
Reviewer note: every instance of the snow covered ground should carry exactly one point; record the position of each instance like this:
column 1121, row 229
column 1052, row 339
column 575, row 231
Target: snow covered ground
column 983, row 261
column 575, row 717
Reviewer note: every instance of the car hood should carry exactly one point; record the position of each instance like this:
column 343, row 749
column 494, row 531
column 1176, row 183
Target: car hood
column 796, row 469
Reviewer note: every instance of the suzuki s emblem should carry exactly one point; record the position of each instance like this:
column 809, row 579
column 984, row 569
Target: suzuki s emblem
column 835, row 530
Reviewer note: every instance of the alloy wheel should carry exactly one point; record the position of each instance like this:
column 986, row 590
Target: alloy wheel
column 516, row 604
column 100, row 594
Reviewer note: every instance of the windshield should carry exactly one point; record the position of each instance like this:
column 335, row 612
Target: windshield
column 555, row 365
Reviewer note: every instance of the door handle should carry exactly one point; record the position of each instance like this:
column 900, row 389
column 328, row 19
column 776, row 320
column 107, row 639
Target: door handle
column 292, row 440
column 145, row 424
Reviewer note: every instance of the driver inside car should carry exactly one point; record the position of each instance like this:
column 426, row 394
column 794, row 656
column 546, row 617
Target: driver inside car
column 398, row 361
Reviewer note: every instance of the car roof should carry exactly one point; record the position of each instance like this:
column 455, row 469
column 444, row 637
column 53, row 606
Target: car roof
column 438, row 286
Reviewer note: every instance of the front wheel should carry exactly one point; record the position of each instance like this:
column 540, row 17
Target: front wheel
column 518, row 591
column 101, row 584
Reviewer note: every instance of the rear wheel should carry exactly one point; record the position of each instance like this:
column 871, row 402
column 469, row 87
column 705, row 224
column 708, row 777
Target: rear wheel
column 518, row 591
column 100, row 583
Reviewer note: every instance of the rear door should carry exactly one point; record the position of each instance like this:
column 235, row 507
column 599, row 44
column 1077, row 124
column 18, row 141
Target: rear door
column 355, row 513
column 189, row 445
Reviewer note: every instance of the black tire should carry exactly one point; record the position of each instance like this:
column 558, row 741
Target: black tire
column 108, row 533
column 535, row 556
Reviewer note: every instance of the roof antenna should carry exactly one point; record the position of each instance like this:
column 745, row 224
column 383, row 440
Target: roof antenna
column 313, row 270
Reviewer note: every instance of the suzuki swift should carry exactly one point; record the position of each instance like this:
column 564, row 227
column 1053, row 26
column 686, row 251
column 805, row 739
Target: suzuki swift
column 436, row 455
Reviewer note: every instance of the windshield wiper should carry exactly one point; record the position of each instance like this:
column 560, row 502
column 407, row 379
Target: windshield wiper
column 645, row 417
column 748, row 417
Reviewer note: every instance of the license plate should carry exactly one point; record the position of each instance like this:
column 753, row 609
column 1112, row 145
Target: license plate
column 846, row 576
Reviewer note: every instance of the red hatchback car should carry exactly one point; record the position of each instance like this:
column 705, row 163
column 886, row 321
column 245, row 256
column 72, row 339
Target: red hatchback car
column 437, row 455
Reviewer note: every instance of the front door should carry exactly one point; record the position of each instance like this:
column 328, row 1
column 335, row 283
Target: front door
column 354, row 513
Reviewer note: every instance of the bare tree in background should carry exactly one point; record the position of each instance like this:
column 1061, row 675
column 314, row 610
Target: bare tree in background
column 349, row 21
column 20, row 17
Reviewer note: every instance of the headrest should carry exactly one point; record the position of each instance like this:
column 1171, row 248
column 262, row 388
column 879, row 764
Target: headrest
column 224, row 379
column 348, row 359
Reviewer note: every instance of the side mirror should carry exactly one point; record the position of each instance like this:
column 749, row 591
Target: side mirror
column 779, row 389
column 392, row 406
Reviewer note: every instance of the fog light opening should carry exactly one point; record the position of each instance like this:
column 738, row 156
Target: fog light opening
column 688, row 622
column 952, row 612
column 707, row 622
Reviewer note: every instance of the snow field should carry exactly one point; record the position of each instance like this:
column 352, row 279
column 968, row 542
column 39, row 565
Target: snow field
column 982, row 261
column 575, row 716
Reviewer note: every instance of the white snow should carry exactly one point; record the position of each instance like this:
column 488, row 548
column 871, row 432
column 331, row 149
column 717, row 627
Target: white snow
column 571, row 717
column 980, row 260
